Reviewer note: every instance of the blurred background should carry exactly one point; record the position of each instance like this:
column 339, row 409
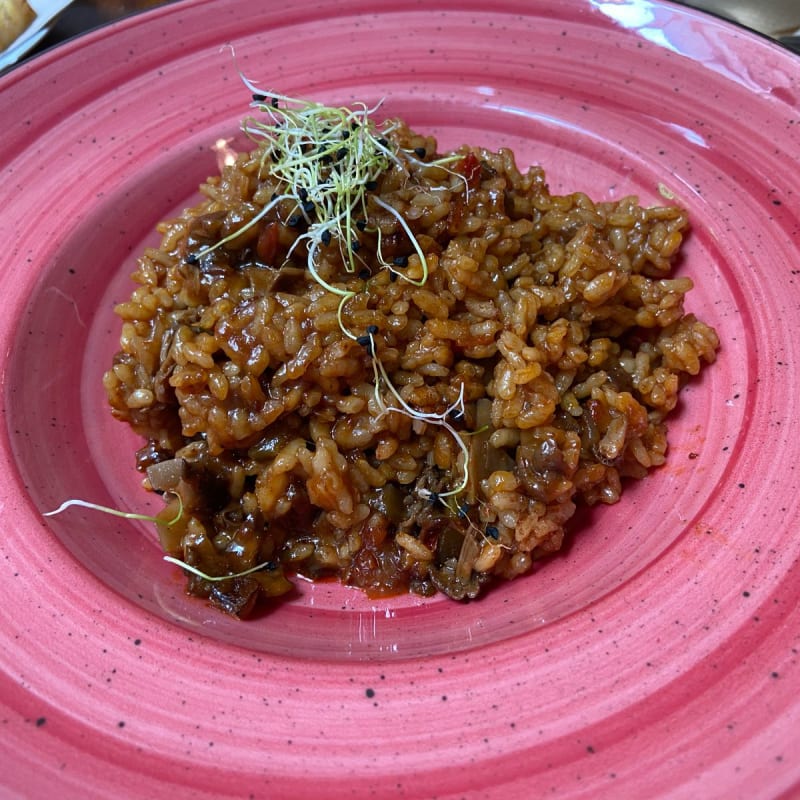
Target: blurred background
column 777, row 18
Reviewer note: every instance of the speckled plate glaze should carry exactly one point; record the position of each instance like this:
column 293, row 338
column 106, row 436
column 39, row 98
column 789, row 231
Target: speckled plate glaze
column 656, row 657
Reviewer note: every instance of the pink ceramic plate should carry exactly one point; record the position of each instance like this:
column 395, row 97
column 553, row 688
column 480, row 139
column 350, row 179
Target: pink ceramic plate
column 656, row 657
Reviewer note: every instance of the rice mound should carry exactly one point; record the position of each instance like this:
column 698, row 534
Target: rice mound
column 555, row 318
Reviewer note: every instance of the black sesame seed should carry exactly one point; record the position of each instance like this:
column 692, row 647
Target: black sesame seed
column 400, row 261
column 270, row 566
column 383, row 142
column 345, row 134
column 433, row 497
column 192, row 259
column 308, row 206
column 372, row 329
column 421, row 152
column 274, row 102
column 326, row 237
column 259, row 98
column 355, row 245
column 341, row 153
column 392, row 276
column 293, row 221
column 302, row 193
column 463, row 510
column 366, row 342
column 456, row 414
column 371, row 186
column 365, row 274
column 492, row 532
column 361, row 224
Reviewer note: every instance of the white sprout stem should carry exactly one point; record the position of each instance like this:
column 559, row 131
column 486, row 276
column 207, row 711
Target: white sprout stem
column 206, row 577
column 339, row 311
column 115, row 512
column 416, row 245
column 428, row 417
column 230, row 237
column 465, row 459
column 480, row 533
column 424, row 416
column 312, row 268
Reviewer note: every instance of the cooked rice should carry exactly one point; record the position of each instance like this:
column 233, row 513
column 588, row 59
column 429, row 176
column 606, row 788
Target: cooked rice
column 556, row 316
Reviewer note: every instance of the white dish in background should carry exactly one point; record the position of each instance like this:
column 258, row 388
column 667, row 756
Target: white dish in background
column 46, row 12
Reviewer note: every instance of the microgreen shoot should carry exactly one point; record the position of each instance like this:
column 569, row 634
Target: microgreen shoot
column 328, row 161
column 116, row 512
column 404, row 225
column 488, row 535
column 206, row 577
column 441, row 419
column 149, row 518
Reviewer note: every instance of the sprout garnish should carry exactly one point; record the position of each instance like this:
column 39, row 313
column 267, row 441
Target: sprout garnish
column 328, row 161
column 115, row 512
column 440, row 419
column 206, row 577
